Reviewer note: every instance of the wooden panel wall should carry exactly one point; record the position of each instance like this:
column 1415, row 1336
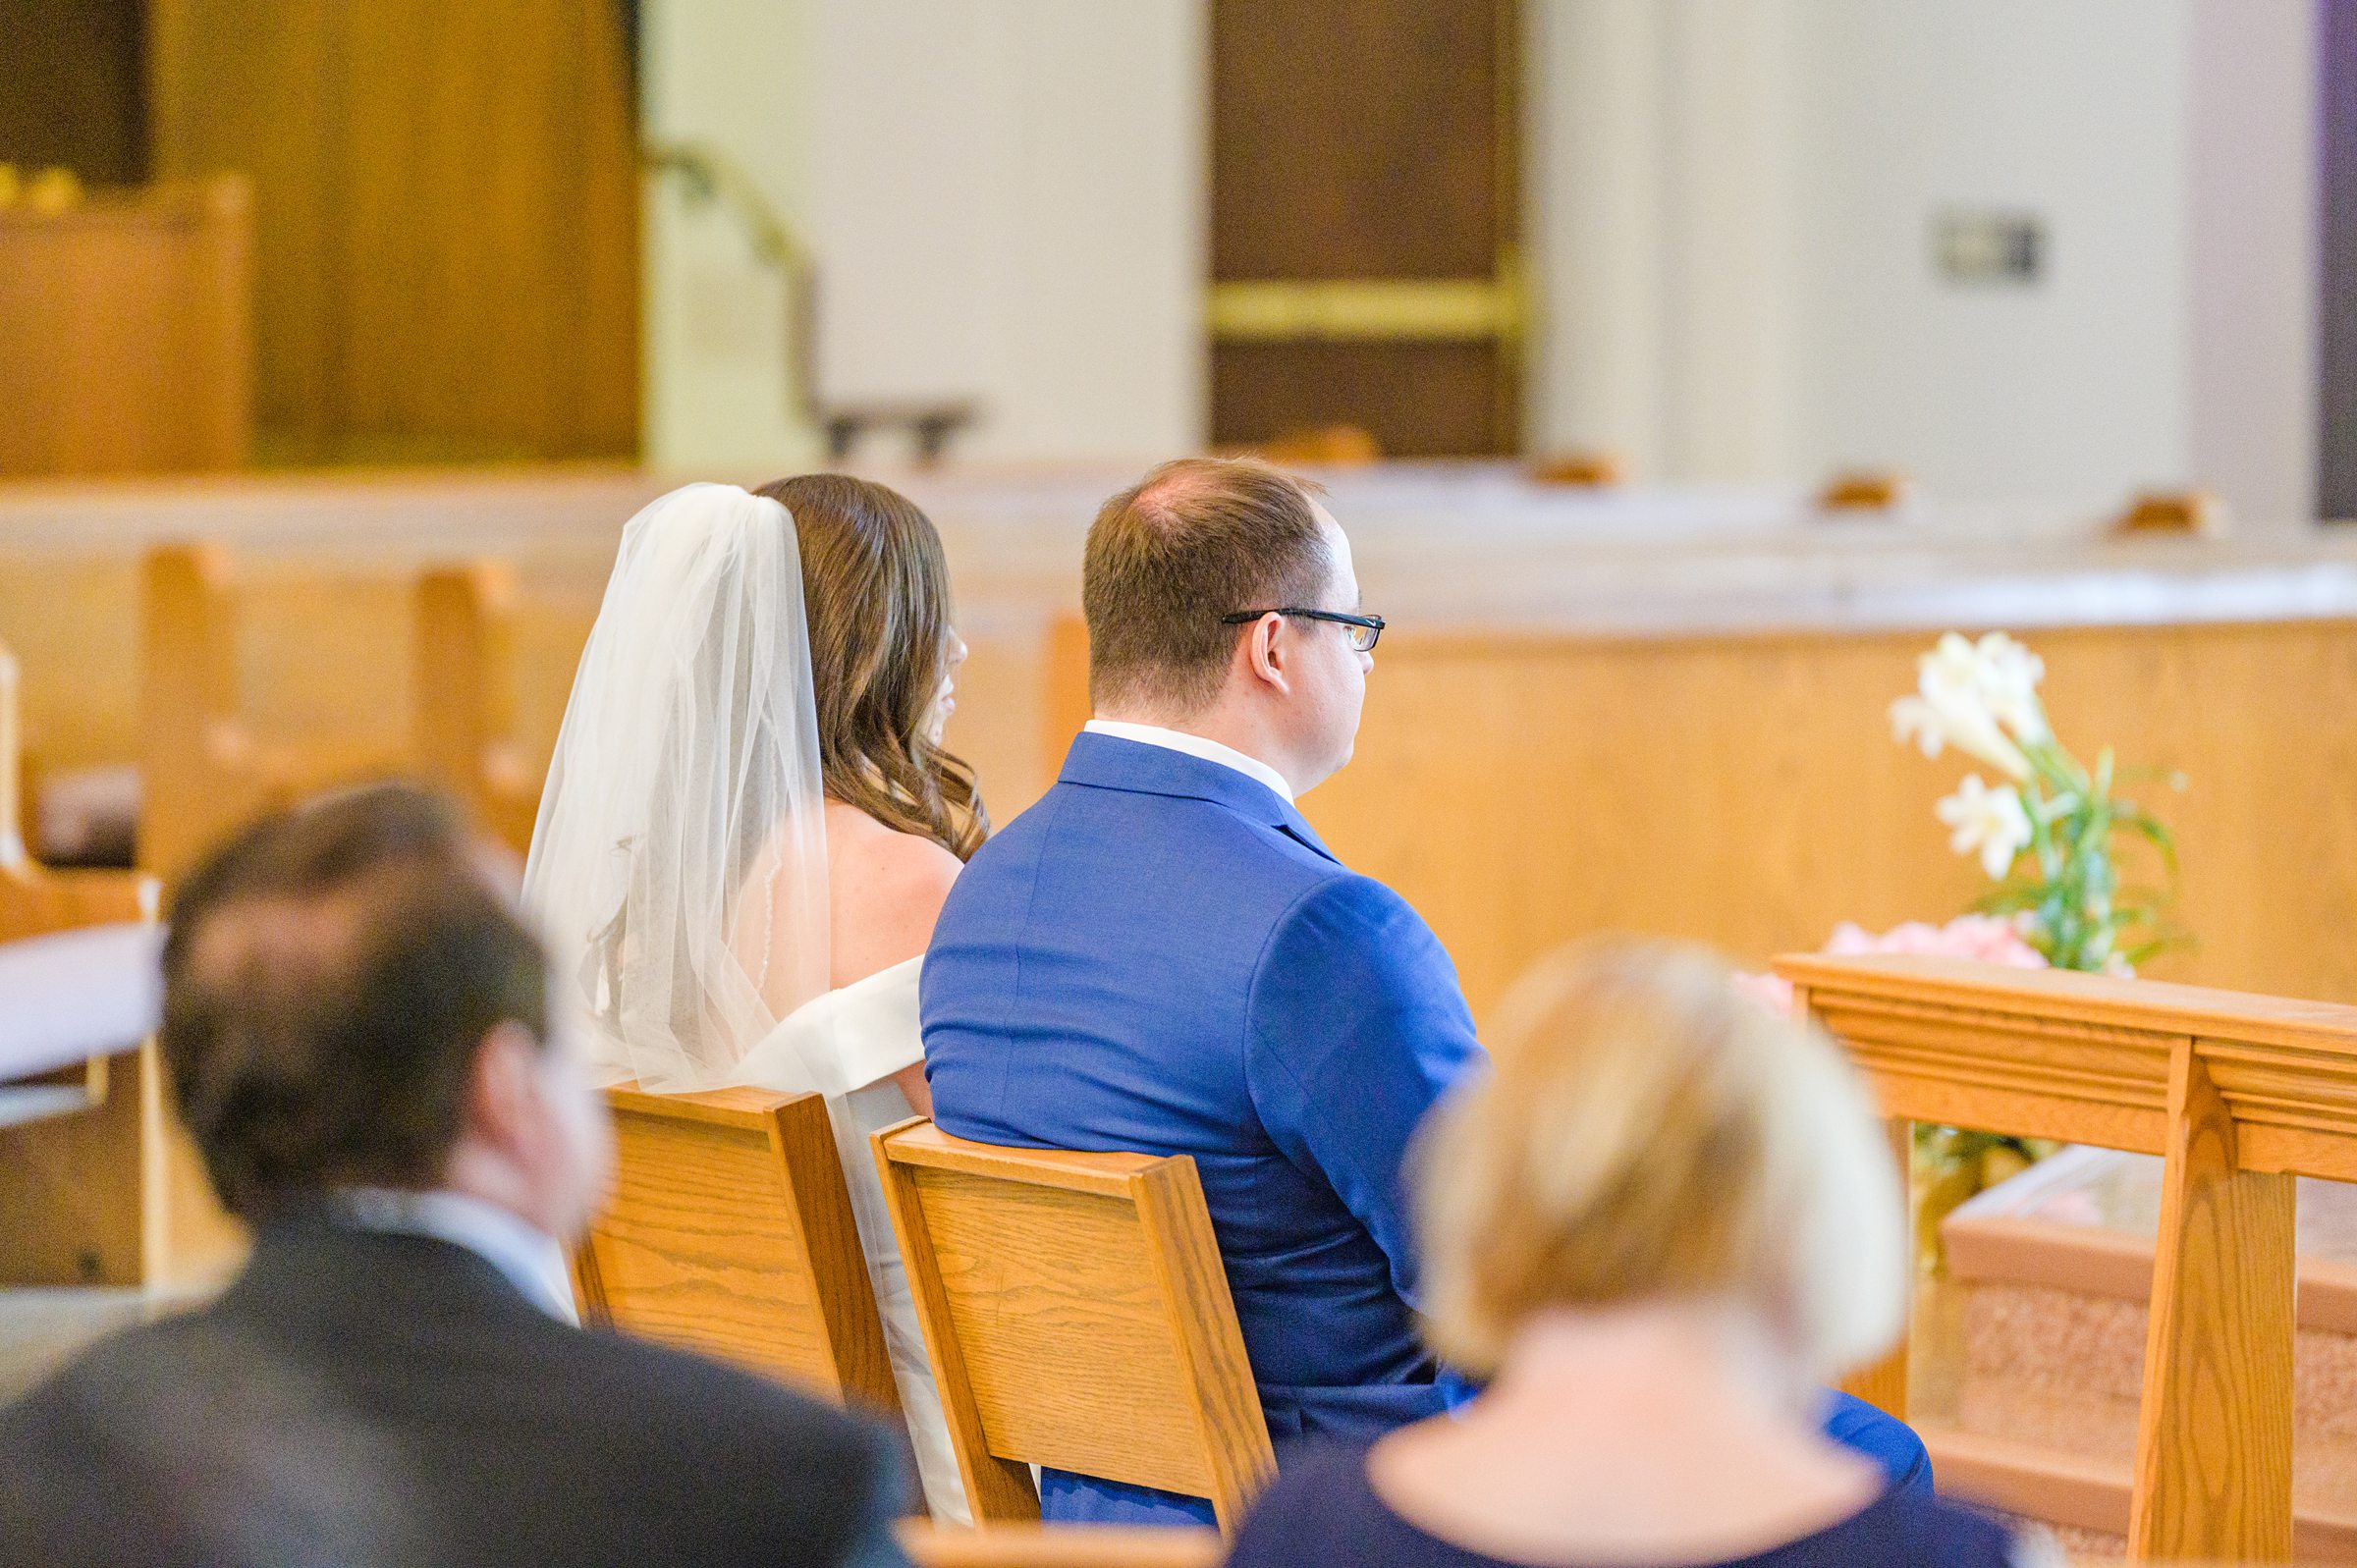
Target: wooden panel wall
column 447, row 216
column 1746, row 792
column 72, row 88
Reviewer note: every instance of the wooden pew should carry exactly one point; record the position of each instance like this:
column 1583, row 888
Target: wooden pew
column 2238, row 1095
column 730, row 1231
column 70, row 1189
column 1037, row 1545
column 464, row 697
column 205, row 771
column 102, row 1187
column 1077, row 1316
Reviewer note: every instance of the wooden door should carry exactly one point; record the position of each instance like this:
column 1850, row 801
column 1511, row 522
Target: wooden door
column 1363, row 195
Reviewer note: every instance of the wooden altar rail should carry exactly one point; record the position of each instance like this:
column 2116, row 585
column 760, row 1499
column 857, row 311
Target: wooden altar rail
column 2238, row 1095
column 205, row 771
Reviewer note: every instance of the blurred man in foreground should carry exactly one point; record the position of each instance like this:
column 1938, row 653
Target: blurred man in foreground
column 358, row 1032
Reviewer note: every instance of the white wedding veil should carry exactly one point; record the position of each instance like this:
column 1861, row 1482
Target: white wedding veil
column 678, row 865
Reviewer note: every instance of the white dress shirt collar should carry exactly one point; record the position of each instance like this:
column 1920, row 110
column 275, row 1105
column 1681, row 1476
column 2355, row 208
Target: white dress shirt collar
column 1195, row 746
column 526, row 1256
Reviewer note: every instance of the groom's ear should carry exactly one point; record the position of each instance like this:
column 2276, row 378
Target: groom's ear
column 1263, row 654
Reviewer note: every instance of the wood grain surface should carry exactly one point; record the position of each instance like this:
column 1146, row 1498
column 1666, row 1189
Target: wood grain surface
column 2213, row 1428
column 730, row 1231
column 1013, row 1546
column 112, row 1193
column 203, row 770
column 463, row 729
column 1079, row 1304
column 1883, row 1383
column 447, row 216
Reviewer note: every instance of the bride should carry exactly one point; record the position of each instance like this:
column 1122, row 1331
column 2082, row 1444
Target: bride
column 749, row 825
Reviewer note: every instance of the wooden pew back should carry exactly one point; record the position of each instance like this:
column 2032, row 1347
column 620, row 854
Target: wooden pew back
column 203, row 772
column 73, row 1198
column 465, row 729
column 730, row 1232
column 204, row 766
column 1077, row 1316
column 2237, row 1094
column 1036, row 1546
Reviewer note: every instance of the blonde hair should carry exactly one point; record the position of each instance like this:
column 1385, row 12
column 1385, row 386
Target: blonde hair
column 1649, row 1134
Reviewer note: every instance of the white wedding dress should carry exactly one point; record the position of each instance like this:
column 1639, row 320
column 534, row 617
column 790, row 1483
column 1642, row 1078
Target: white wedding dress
column 849, row 1042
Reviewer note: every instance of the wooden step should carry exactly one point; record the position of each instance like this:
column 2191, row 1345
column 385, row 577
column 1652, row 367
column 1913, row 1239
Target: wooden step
column 2087, row 1495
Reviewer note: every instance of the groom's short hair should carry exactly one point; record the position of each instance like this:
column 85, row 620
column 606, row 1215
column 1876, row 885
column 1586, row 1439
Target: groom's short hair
column 1196, row 539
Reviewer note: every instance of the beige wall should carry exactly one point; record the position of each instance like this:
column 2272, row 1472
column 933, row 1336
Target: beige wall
column 1729, row 204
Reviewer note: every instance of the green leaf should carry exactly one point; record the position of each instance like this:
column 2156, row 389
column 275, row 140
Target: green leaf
column 2160, row 838
column 2008, row 898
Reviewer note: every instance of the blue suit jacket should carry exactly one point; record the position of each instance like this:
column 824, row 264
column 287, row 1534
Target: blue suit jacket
column 1161, row 957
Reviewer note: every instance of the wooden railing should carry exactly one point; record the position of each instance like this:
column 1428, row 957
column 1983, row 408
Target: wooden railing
column 2238, row 1095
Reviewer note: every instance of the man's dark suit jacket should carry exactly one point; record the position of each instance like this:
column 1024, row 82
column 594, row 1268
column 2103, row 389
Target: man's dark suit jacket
column 366, row 1400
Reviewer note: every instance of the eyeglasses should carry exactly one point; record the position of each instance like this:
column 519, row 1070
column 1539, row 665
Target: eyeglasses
column 1364, row 629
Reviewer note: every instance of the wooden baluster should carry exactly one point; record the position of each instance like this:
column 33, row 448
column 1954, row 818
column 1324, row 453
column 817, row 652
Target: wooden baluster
column 1883, row 1383
column 2214, row 1438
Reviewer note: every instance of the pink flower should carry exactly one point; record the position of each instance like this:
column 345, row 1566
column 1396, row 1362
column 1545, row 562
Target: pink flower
column 1772, row 991
column 1984, row 939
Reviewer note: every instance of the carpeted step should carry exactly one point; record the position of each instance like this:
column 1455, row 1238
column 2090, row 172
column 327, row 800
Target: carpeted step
column 2050, row 1278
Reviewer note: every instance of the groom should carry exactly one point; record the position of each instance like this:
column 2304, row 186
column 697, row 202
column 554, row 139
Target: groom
column 1161, row 956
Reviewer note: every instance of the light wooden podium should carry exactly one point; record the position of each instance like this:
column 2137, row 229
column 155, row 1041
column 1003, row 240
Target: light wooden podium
column 126, row 333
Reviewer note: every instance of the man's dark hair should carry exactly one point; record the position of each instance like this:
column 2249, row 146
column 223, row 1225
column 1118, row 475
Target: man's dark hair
column 1192, row 541
column 328, row 976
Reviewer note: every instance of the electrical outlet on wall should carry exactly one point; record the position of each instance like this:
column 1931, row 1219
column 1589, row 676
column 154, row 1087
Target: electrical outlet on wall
column 1984, row 248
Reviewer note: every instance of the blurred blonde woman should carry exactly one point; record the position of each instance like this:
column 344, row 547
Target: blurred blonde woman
column 1661, row 1223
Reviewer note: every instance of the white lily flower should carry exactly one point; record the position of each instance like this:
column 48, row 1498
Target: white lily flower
column 2009, row 675
column 1991, row 822
column 1950, row 708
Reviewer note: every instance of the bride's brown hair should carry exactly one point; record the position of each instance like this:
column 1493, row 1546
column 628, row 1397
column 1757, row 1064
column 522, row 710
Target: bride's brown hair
column 876, row 590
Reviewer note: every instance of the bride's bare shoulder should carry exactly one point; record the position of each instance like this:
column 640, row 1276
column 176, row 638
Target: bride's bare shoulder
column 887, row 890
column 865, row 849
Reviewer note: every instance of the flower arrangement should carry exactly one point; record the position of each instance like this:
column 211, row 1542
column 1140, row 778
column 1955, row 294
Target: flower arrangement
column 2044, row 831
column 2043, row 834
